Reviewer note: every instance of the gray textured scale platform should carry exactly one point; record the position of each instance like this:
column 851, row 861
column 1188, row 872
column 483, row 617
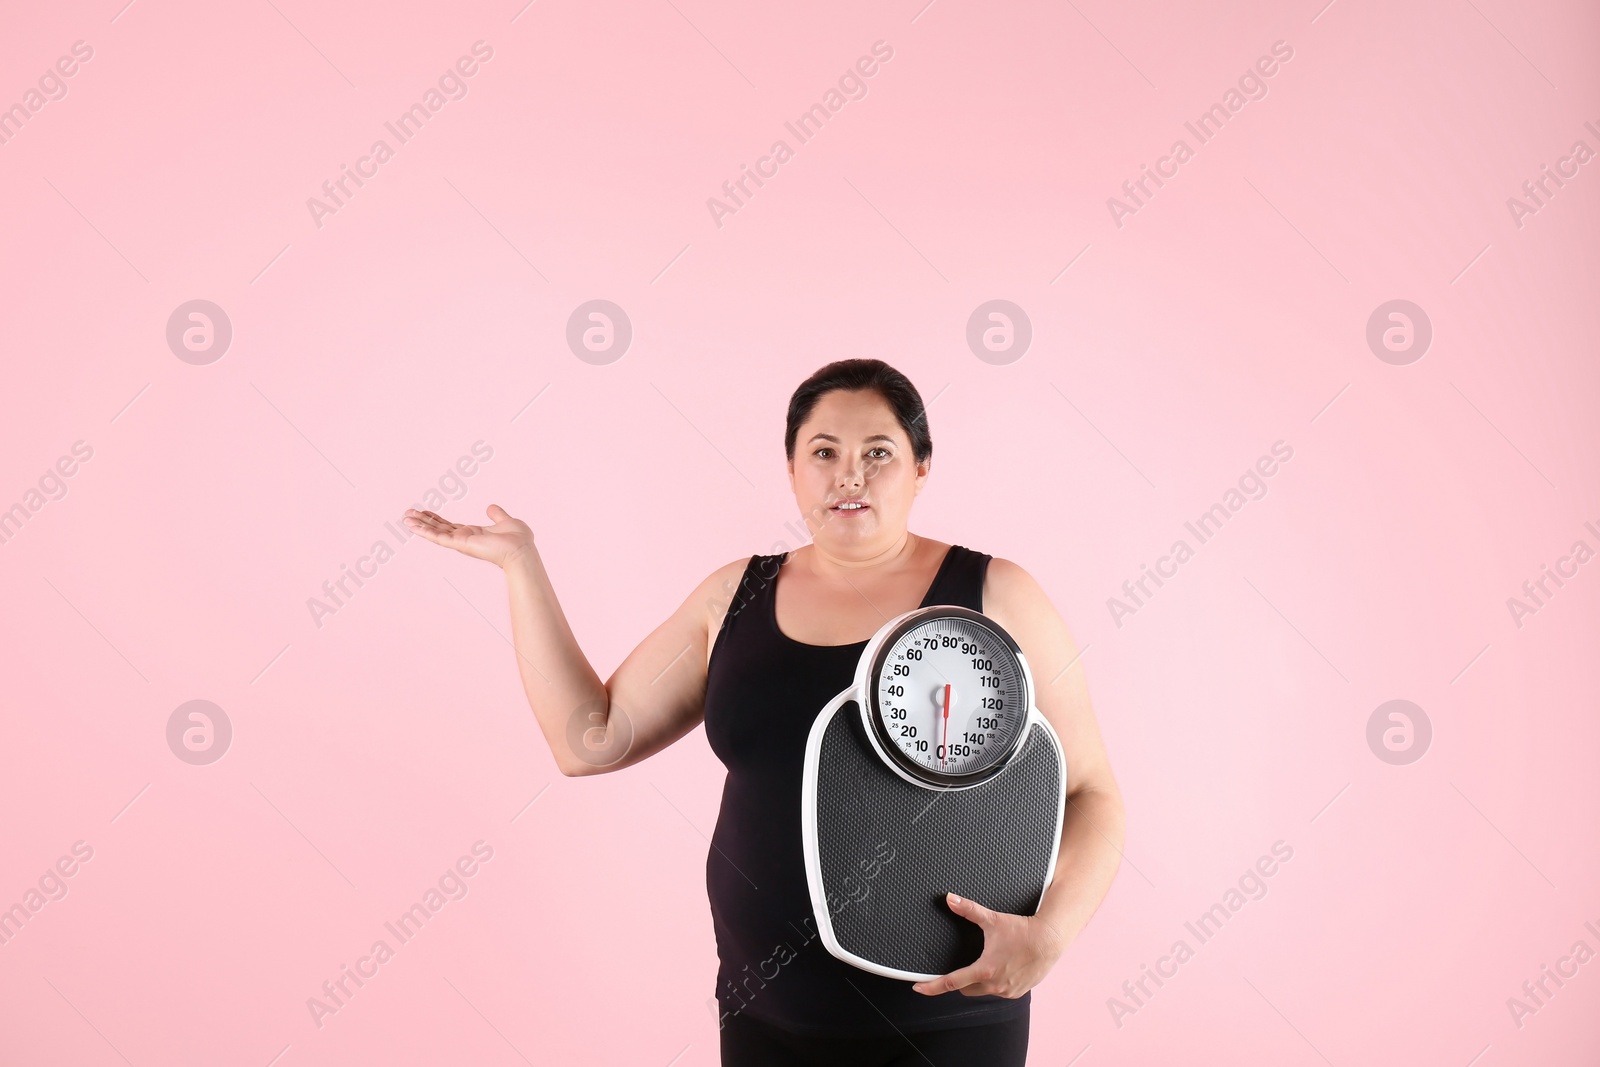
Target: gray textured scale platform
column 888, row 826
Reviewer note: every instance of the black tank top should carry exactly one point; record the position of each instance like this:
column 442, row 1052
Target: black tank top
column 763, row 690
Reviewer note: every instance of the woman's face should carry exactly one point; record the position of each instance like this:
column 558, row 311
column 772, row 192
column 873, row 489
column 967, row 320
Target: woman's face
column 852, row 449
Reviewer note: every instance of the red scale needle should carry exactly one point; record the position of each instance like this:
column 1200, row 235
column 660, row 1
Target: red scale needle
column 944, row 741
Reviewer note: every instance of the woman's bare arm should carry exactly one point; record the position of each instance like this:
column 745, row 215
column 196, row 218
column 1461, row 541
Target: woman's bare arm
column 653, row 698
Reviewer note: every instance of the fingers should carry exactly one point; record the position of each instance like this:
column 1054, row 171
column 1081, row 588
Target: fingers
column 434, row 527
column 956, row 979
column 971, row 978
column 971, row 909
column 418, row 524
column 504, row 520
column 429, row 520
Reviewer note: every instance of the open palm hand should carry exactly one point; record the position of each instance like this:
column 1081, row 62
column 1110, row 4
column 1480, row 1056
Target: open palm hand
column 499, row 543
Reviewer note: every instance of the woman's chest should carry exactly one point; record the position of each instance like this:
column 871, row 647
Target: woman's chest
column 762, row 697
column 831, row 615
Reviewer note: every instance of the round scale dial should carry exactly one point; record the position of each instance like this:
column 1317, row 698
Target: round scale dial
column 948, row 696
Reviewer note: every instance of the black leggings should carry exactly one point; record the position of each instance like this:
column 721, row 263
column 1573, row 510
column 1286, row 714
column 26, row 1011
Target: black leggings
column 748, row 1042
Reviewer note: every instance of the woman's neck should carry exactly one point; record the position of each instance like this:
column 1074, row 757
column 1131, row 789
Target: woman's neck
column 826, row 565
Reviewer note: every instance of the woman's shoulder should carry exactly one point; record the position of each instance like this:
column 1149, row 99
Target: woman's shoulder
column 1007, row 580
column 727, row 579
column 1013, row 597
column 726, row 590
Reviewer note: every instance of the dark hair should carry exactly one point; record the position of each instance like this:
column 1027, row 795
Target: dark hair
column 895, row 388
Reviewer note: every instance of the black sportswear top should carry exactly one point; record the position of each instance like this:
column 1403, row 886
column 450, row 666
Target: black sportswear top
column 763, row 690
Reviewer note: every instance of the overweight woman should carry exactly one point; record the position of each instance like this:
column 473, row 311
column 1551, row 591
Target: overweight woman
column 754, row 652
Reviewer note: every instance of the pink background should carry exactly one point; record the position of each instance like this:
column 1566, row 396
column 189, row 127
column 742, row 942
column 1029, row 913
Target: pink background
column 1228, row 313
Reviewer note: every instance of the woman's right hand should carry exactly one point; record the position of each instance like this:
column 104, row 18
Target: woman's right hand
column 501, row 543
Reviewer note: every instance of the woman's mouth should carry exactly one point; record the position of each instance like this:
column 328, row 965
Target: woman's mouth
column 852, row 506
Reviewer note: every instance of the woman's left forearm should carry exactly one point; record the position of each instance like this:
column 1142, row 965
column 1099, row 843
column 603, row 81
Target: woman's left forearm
column 1091, row 851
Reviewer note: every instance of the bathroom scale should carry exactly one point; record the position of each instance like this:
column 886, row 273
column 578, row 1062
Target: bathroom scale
column 933, row 772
